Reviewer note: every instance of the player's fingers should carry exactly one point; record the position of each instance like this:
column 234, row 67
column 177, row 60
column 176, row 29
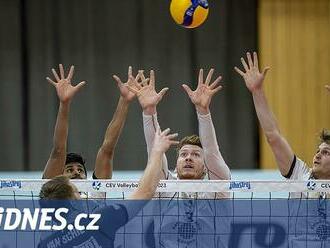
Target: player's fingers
column 51, row 81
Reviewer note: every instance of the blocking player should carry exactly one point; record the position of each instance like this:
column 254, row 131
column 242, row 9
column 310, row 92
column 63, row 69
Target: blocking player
column 72, row 164
column 115, row 215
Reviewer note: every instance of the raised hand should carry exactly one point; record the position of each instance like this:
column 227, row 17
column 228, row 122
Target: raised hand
column 146, row 92
column 253, row 77
column 163, row 140
column 124, row 87
column 65, row 90
column 202, row 96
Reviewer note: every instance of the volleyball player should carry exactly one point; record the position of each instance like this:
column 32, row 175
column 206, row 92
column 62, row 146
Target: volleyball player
column 289, row 164
column 305, row 229
column 198, row 158
column 113, row 216
column 72, row 164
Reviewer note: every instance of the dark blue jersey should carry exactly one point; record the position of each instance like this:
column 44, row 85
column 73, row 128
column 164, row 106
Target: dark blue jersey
column 112, row 218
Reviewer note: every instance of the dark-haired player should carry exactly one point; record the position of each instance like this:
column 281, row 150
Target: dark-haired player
column 112, row 216
column 72, row 164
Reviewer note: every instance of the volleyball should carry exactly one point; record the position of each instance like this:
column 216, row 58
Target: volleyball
column 189, row 13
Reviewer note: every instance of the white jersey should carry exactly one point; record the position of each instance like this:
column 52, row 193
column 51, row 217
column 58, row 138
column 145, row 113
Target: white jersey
column 217, row 168
column 299, row 170
column 316, row 219
column 166, row 225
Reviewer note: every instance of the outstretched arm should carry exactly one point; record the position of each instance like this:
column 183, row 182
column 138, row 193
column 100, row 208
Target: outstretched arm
column 149, row 99
column 105, row 155
column 152, row 174
column 65, row 92
column 201, row 98
column 254, row 80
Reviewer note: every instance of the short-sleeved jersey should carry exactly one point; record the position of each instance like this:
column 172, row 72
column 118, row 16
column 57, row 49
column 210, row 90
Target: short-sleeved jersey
column 299, row 170
column 307, row 217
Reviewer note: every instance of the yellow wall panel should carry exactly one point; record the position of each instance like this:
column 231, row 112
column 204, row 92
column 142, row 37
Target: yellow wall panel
column 294, row 40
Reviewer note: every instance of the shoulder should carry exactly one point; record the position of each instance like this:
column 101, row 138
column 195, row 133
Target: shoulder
column 299, row 170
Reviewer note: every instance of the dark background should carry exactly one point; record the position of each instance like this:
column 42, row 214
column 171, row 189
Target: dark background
column 102, row 38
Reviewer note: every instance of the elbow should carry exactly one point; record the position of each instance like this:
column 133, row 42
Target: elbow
column 273, row 137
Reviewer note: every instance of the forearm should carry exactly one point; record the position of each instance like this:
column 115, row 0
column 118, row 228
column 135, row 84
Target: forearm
column 56, row 161
column 104, row 159
column 266, row 117
column 216, row 165
column 115, row 127
column 281, row 149
column 150, row 124
column 150, row 179
column 61, row 128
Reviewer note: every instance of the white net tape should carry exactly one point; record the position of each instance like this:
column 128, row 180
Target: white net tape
column 177, row 185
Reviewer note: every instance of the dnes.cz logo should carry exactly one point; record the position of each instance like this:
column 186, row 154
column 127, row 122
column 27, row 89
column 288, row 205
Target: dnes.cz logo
column 45, row 219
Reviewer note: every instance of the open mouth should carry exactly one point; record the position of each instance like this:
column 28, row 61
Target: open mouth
column 188, row 166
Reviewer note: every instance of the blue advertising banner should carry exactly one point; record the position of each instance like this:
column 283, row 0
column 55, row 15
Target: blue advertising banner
column 248, row 223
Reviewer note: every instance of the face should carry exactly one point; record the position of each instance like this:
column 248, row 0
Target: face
column 74, row 171
column 190, row 163
column 321, row 162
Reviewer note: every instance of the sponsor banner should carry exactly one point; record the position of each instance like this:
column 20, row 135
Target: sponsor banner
column 240, row 185
column 249, row 223
column 10, row 184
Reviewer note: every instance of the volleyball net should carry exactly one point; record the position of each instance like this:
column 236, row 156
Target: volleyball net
column 189, row 213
